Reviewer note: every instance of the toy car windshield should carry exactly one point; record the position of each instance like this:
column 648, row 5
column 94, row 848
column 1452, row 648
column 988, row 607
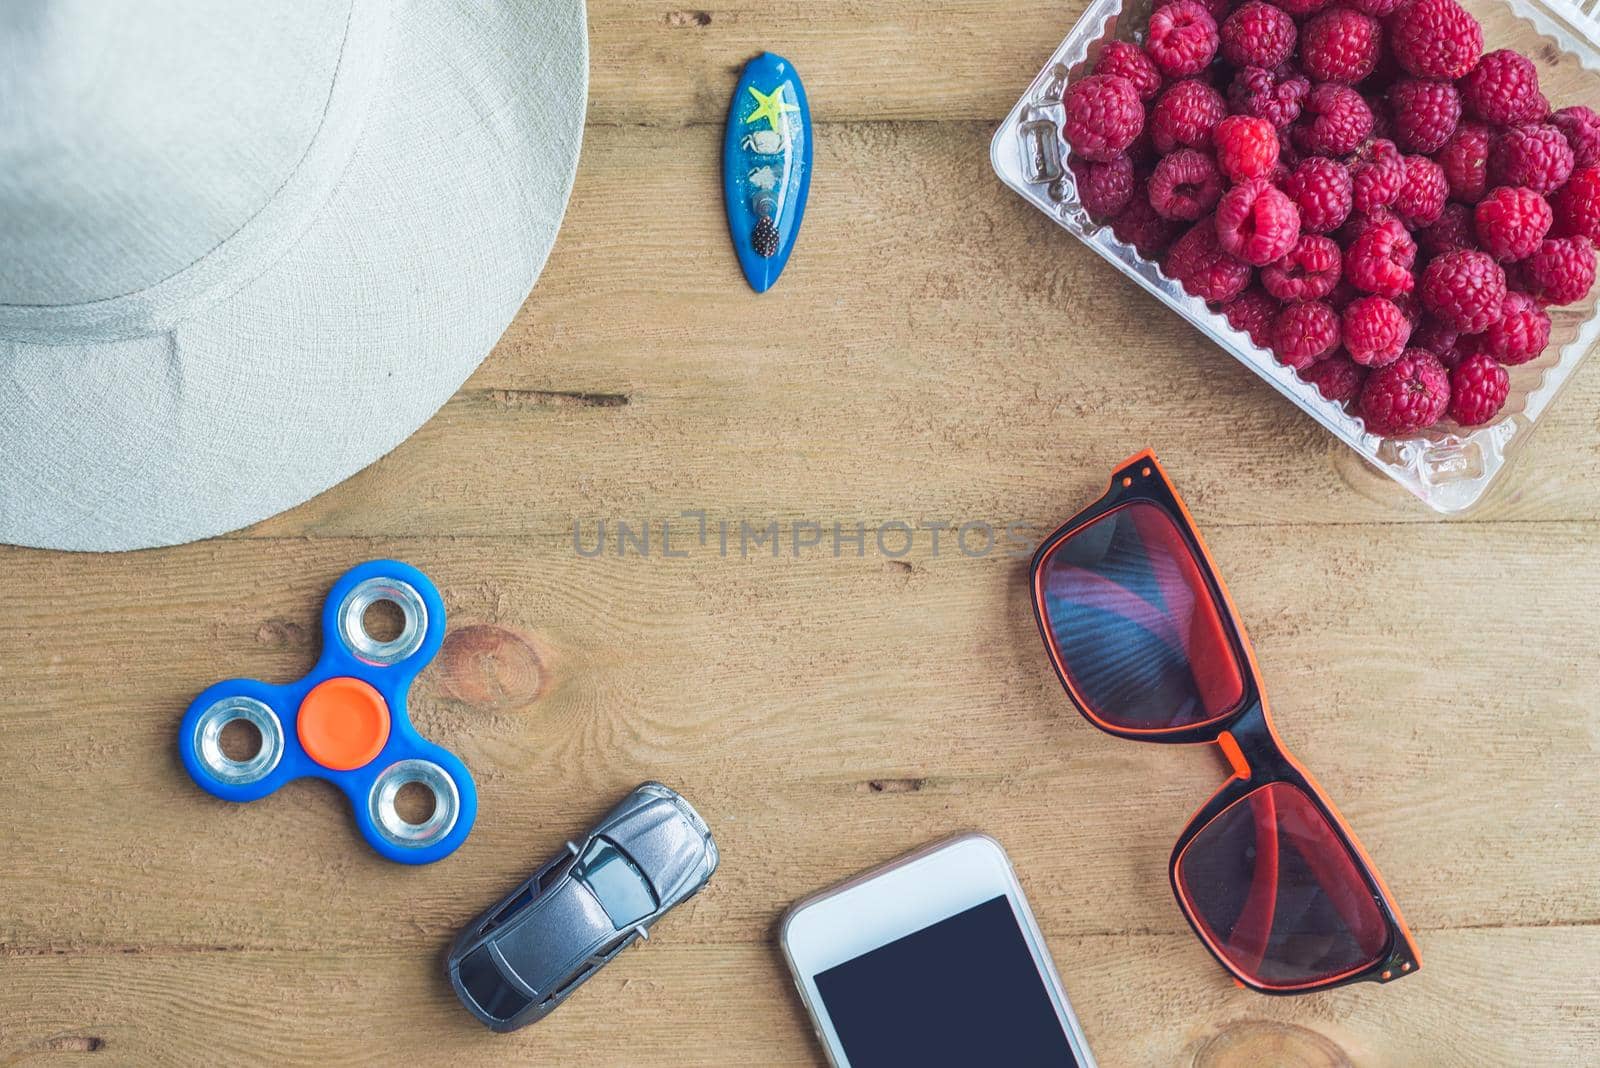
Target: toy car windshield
column 617, row 882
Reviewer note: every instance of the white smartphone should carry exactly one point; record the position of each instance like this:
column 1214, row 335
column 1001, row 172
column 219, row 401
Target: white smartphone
column 933, row 959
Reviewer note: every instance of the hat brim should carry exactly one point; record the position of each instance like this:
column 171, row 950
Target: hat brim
column 404, row 281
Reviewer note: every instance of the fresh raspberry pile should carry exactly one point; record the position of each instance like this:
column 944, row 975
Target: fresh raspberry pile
column 1355, row 185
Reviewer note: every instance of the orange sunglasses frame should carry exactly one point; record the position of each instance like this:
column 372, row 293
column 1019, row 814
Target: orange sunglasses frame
column 1245, row 735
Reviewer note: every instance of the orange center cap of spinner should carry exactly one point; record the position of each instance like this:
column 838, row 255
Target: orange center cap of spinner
column 343, row 723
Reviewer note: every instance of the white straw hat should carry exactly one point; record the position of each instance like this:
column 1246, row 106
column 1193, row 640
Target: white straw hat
column 247, row 248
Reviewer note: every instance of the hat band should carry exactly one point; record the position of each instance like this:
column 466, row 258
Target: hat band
column 260, row 241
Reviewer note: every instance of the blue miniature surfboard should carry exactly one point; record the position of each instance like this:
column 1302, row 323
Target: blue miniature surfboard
column 766, row 166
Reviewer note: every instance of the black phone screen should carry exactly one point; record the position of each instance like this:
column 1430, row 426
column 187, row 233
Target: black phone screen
column 962, row 991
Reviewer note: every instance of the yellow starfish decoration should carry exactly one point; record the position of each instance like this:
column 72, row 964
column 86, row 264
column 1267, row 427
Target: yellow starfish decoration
column 770, row 107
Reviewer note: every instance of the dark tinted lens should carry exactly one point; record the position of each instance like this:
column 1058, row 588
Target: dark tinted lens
column 1135, row 626
column 1275, row 889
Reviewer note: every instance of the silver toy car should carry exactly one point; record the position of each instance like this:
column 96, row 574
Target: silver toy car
column 519, row 960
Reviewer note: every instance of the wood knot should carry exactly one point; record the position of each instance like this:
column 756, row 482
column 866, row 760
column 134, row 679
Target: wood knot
column 892, row 786
column 692, row 19
column 75, row 1044
column 1248, row 1043
column 490, row 667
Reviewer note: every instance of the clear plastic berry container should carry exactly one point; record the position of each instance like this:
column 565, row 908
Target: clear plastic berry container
column 1448, row 468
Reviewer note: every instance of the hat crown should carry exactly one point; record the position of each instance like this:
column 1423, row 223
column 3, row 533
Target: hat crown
column 137, row 138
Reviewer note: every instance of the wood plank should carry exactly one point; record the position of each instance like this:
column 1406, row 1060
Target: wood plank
column 860, row 59
column 1143, row 1000
column 878, row 381
column 775, row 692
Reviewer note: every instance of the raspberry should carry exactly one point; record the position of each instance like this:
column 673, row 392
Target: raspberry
column 1203, row 268
column 1309, row 271
column 1576, row 205
column 1409, row 307
column 1143, row 150
column 1422, row 196
column 1252, row 312
column 1478, row 388
column 1375, row 331
column 1466, row 345
column 1257, row 222
column 1521, row 333
column 1561, row 270
column 1435, row 39
column 1535, row 156
column 1463, row 290
column 1360, row 222
column 1503, row 90
column 1406, row 396
column 1321, row 189
column 1425, row 113
column 1126, row 60
column 1437, row 338
column 1465, row 161
column 1265, row 95
column 1335, row 121
column 1103, row 116
column 1511, row 221
column 1302, row 9
column 1185, row 185
column 1453, row 230
column 1182, row 38
column 1379, row 260
column 1337, row 378
column 1339, row 45
column 1517, row 276
column 1104, row 188
column 1343, row 294
column 1376, row 8
column 1304, row 333
column 1185, row 115
column 1247, row 147
column 1581, row 127
column 1257, row 35
column 1376, row 177
column 1139, row 225
column 1217, row 9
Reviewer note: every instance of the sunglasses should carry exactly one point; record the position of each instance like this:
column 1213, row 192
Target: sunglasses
column 1149, row 646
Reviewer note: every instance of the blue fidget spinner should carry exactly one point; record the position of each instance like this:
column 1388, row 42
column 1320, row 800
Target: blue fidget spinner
column 346, row 721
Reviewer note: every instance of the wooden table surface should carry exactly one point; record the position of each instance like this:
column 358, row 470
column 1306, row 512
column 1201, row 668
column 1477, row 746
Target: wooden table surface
column 937, row 352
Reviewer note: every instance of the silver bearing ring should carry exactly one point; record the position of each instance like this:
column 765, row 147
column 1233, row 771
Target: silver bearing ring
column 399, row 831
column 353, row 628
column 208, row 741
